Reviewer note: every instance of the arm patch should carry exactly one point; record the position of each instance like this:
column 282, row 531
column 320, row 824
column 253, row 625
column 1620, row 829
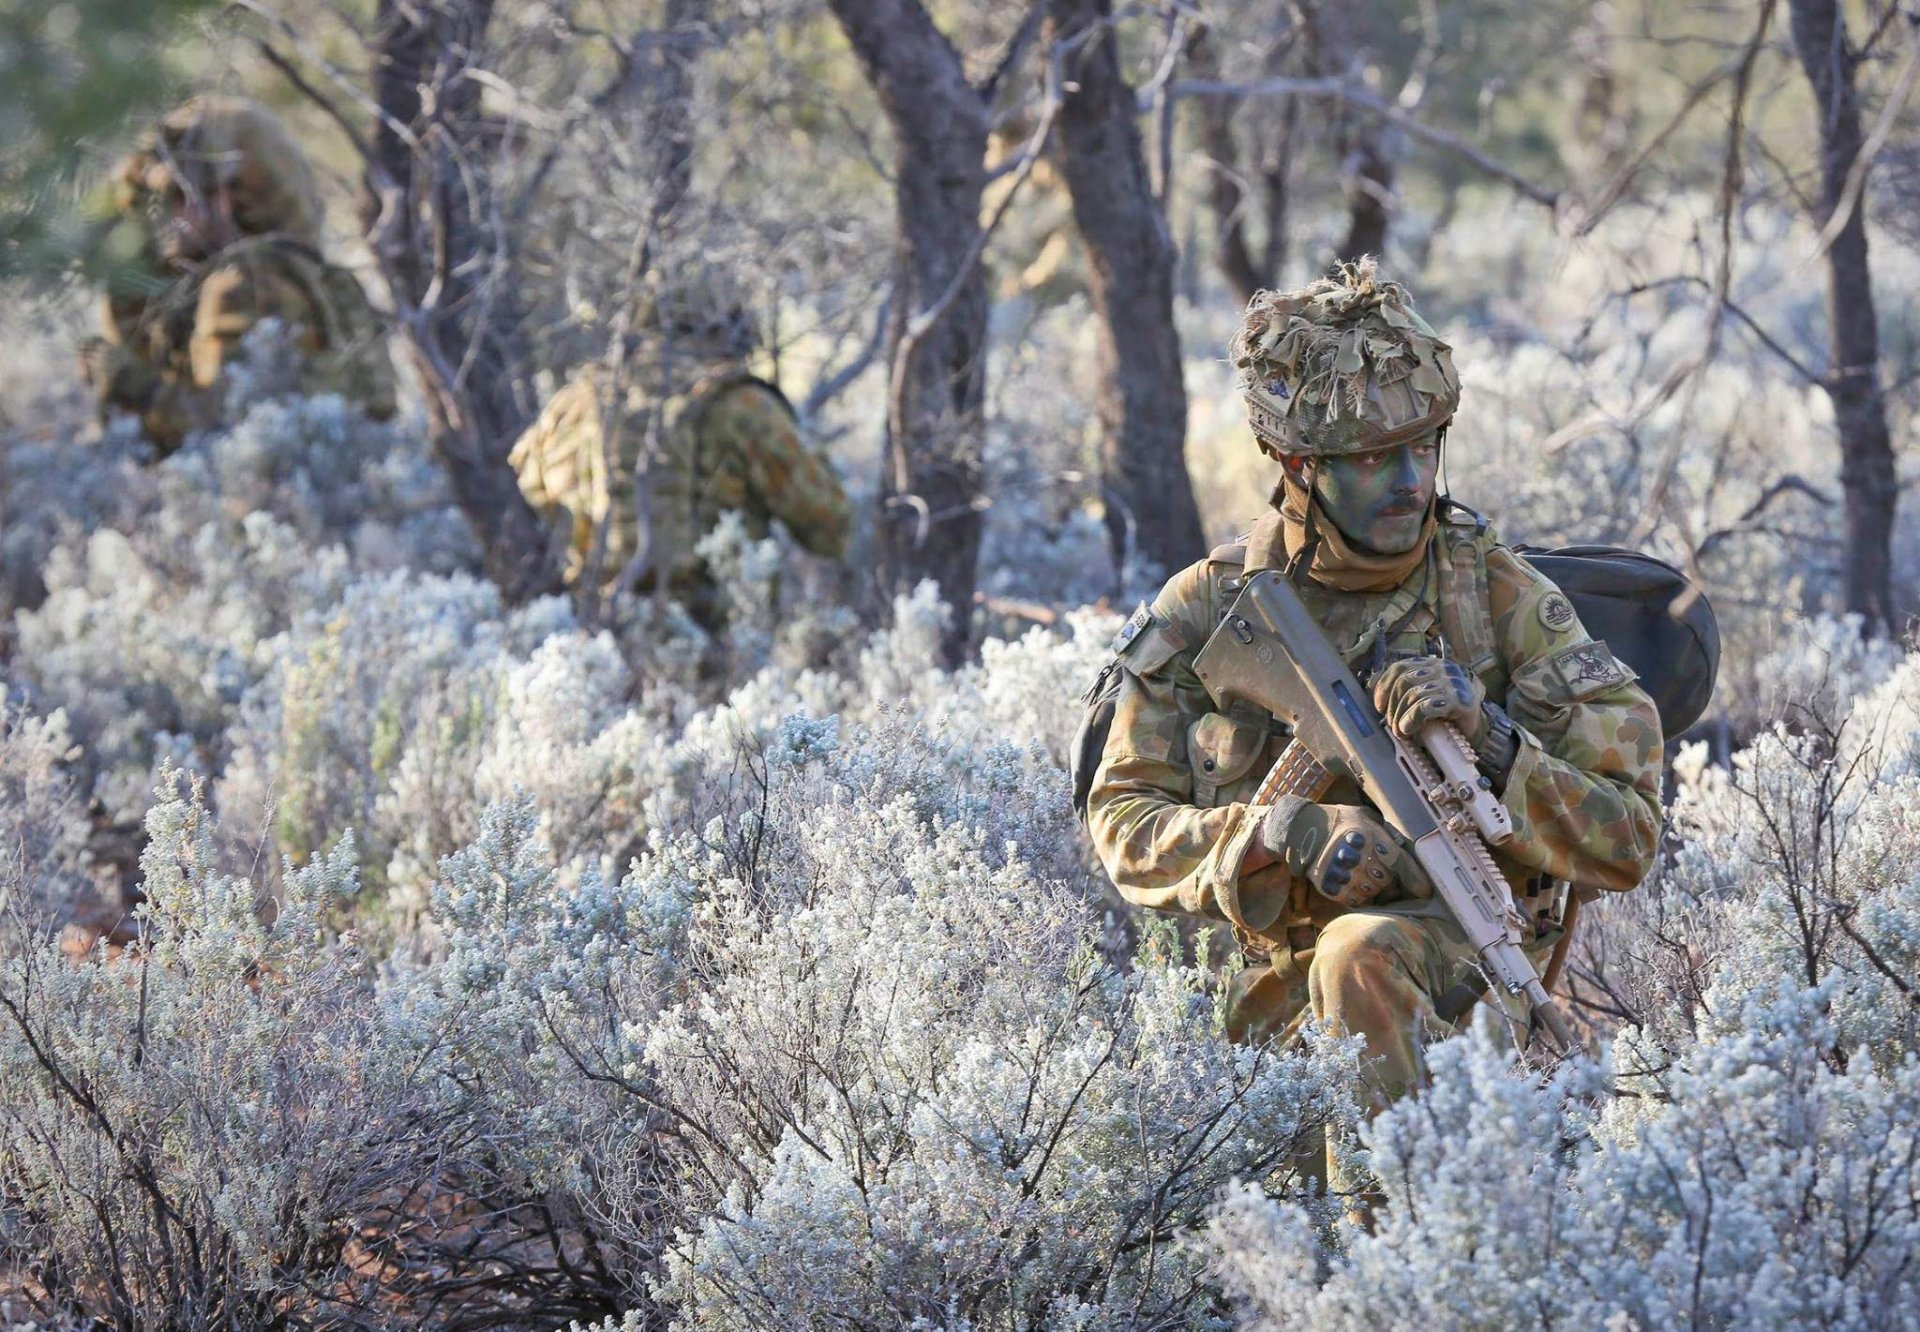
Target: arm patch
column 1147, row 641
column 1586, row 669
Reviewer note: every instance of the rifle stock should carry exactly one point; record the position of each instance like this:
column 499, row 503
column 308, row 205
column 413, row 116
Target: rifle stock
column 1270, row 651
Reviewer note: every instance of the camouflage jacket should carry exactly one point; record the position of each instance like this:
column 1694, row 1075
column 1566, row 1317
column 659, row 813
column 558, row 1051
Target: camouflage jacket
column 1168, row 808
column 730, row 443
column 174, row 342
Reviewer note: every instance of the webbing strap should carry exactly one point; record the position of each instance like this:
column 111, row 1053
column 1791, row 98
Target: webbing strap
column 1465, row 614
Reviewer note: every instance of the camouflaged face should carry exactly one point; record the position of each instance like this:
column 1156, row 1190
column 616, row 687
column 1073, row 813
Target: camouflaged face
column 1341, row 366
column 230, row 143
column 696, row 313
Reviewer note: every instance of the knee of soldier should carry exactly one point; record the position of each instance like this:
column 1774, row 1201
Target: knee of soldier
column 1355, row 947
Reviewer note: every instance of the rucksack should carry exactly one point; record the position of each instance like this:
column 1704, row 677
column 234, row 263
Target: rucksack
column 1651, row 617
column 1090, row 740
column 1645, row 610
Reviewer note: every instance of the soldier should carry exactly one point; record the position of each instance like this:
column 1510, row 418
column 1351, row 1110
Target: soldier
column 635, row 464
column 217, row 228
column 1352, row 392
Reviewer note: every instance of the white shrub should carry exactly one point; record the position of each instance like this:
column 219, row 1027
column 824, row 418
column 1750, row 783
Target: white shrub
column 1771, row 1185
column 43, row 826
column 198, row 1129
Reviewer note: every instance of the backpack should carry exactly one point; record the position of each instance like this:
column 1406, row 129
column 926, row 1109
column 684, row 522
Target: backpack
column 1624, row 598
column 1649, row 615
column 1090, row 739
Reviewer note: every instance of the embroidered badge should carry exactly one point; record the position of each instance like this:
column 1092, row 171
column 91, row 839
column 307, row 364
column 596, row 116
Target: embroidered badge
column 1556, row 612
column 1139, row 620
column 1589, row 666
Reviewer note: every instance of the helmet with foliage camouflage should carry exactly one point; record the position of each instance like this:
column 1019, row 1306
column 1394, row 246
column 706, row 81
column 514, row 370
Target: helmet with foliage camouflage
column 1341, row 366
column 699, row 311
column 212, row 144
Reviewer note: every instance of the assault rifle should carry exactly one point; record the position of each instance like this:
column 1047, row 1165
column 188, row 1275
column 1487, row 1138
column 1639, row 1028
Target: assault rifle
column 1270, row 652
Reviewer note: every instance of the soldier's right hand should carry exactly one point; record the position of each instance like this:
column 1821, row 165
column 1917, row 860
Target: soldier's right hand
column 116, row 377
column 1344, row 851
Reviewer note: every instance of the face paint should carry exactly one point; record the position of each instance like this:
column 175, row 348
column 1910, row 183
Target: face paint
column 1379, row 500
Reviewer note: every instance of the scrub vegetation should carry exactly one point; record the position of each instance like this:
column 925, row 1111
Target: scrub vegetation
column 383, row 944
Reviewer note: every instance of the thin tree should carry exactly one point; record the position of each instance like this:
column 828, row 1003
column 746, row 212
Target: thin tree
column 430, row 217
column 1236, row 190
column 930, row 492
column 1131, row 256
column 1868, row 482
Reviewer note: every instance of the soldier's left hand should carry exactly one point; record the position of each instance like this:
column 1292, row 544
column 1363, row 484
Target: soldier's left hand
column 1414, row 693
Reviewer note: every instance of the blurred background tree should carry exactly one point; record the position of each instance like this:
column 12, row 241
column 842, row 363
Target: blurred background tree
column 70, row 76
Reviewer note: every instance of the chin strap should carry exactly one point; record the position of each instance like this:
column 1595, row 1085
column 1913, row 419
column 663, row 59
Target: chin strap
column 1302, row 560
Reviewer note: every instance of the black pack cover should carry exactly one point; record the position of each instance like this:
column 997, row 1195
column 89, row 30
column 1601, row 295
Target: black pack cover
column 1090, row 740
column 1645, row 610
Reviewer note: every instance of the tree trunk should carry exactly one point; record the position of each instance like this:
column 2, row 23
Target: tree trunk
column 427, row 212
column 1228, row 198
column 1143, row 396
column 1335, row 46
column 1367, row 175
column 930, row 517
column 668, row 101
column 1867, row 474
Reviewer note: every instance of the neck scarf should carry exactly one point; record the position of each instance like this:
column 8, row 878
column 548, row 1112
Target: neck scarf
column 1337, row 562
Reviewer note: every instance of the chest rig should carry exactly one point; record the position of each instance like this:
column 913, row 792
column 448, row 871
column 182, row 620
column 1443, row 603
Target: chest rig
column 1444, row 609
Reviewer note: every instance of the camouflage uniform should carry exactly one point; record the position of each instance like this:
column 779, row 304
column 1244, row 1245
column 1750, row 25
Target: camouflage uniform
column 730, row 443
column 1169, row 812
column 173, row 322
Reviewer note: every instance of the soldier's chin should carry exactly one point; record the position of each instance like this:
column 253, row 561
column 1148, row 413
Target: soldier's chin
column 1396, row 534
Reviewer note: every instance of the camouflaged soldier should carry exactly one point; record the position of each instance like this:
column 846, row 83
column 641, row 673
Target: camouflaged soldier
column 633, row 468
column 1353, row 392
column 216, row 227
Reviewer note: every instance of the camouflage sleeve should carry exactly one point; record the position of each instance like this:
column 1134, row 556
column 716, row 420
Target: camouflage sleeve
column 560, row 464
column 231, row 300
column 1161, row 850
column 793, row 484
column 1585, row 789
column 235, row 297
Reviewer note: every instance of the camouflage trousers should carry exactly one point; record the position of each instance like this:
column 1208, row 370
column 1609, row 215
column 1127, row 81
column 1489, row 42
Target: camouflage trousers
column 1399, row 977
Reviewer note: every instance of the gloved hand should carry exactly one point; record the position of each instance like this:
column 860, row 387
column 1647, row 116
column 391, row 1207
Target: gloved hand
column 1417, row 691
column 1343, row 851
column 115, row 375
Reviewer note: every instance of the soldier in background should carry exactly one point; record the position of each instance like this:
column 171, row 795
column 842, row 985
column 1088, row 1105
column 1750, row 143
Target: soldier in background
column 635, row 463
column 1352, row 392
column 216, row 228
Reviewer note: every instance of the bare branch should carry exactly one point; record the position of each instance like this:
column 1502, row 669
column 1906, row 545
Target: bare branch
column 835, row 384
column 923, row 322
column 1351, row 93
column 1857, row 177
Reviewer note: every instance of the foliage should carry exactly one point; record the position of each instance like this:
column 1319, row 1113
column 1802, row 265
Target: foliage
column 69, row 73
column 511, row 965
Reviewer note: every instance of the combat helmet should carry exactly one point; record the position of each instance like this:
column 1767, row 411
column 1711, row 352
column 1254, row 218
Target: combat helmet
column 213, row 143
column 1341, row 366
column 698, row 312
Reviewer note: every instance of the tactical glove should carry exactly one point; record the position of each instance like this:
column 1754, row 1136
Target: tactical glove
column 1418, row 691
column 1343, row 851
column 116, row 376
column 1413, row 693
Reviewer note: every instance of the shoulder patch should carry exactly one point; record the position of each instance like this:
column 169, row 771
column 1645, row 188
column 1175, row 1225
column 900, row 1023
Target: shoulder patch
column 1136, row 624
column 1556, row 612
column 1589, row 668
